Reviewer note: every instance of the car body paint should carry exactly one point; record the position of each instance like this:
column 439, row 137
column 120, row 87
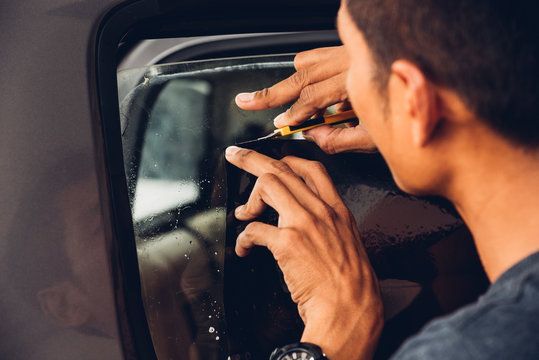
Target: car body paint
column 47, row 133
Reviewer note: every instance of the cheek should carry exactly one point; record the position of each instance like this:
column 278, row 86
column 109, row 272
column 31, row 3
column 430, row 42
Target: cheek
column 366, row 101
column 357, row 91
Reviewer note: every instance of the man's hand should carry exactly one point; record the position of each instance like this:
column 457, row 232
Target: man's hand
column 319, row 82
column 317, row 247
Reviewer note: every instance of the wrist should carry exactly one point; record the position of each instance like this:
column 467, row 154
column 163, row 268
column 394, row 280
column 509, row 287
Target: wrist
column 352, row 336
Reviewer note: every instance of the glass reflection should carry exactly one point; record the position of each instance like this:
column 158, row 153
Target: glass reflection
column 57, row 276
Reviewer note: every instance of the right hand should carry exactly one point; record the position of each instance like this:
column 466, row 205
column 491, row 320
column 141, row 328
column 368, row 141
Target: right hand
column 317, row 245
column 319, row 82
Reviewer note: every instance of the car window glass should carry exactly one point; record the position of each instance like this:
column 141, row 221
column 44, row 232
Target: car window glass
column 176, row 121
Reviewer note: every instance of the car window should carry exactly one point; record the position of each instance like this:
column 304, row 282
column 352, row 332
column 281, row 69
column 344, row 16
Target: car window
column 176, row 121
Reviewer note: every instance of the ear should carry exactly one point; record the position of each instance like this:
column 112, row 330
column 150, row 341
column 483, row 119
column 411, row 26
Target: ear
column 65, row 304
column 420, row 101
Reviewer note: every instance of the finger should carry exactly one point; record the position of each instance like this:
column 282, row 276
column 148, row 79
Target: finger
column 270, row 190
column 315, row 175
column 261, row 166
column 312, row 99
column 287, row 90
column 312, row 66
column 334, row 55
column 254, row 162
column 301, row 194
column 254, row 207
column 256, row 234
column 336, row 139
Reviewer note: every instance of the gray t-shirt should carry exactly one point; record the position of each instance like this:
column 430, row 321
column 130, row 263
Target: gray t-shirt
column 502, row 324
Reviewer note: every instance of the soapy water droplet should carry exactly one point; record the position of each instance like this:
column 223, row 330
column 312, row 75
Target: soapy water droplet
column 217, row 338
column 211, row 329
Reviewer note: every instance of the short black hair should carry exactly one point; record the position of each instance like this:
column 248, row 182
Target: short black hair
column 485, row 50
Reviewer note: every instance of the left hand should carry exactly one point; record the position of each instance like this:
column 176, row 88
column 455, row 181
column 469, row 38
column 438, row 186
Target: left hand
column 317, row 246
column 319, row 82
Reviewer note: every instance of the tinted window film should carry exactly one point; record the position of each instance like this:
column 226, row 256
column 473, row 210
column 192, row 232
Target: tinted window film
column 55, row 274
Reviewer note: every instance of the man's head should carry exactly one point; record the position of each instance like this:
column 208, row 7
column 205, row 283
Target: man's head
column 434, row 81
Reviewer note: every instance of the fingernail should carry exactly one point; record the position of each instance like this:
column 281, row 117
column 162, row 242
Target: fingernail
column 278, row 121
column 231, row 150
column 245, row 97
column 238, row 210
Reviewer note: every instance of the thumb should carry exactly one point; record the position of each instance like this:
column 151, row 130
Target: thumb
column 334, row 140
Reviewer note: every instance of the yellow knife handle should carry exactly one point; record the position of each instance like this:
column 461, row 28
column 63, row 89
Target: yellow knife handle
column 340, row 118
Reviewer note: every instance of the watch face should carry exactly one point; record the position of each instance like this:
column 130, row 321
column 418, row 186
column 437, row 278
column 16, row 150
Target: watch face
column 297, row 355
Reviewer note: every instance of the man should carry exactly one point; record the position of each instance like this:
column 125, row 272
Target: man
column 447, row 92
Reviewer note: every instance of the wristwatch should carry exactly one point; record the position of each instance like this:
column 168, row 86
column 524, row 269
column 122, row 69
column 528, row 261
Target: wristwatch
column 298, row 351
